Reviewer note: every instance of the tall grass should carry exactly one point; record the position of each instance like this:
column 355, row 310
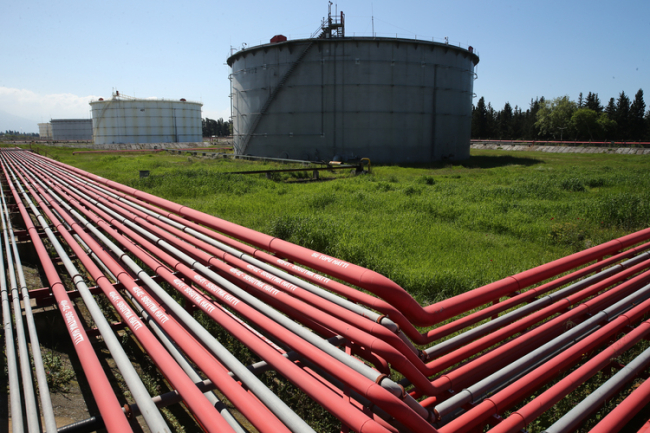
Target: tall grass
column 437, row 230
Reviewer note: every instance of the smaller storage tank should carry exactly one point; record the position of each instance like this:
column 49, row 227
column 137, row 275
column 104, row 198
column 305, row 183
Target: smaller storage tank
column 124, row 119
column 45, row 130
column 72, row 129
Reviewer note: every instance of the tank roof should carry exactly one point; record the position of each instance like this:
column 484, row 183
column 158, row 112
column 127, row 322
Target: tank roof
column 70, row 120
column 121, row 97
column 469, row 51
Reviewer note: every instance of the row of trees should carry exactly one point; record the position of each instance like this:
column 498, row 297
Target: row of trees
column 563, row 119
column 218, row 128
column 17, row 135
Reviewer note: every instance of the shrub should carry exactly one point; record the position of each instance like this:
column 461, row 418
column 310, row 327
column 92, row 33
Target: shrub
column 569, row 234
column 383, row 186
column 412, row 190
column 320, row 201
column 627, row 211
column 573, row 184
column 57, row 374
column 311, row 232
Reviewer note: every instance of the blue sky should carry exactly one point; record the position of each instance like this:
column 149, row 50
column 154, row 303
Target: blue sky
column 57, row 55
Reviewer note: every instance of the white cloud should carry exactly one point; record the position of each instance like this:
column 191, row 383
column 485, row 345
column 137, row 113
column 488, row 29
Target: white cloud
column 41, row 108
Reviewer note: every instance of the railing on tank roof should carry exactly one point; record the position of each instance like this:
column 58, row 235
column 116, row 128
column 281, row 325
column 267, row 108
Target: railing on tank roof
column 411, row 36
column 120, row 98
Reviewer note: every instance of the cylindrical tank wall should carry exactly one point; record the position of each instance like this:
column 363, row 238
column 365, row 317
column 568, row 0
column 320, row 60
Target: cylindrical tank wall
column 45, row 130
column 391, row 100
column 146, row 121
column 71, row 129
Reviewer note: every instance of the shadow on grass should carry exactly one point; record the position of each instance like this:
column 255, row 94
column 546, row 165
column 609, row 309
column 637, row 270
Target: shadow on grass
column 498, row 161
column 476, row 162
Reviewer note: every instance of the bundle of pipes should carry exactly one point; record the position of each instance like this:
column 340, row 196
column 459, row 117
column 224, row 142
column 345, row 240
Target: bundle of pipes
column 338, row 344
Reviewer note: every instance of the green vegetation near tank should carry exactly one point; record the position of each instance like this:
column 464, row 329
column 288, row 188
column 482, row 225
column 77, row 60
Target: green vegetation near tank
column 437, row 230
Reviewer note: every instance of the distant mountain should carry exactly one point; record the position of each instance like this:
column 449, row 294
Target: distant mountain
column 16, row 123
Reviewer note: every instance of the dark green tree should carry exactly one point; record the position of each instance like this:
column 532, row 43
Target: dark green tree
column 585, row 123
column 554, row 118
column 492, row 126
column 480, row 120
column 593, row 103
column 216, row 128
column 610, row 110
column 622, row 116
column 529, row 130
column 606, row 127
column 637, row 122
column 518, row 120
column 505, row 122
column 209, row 127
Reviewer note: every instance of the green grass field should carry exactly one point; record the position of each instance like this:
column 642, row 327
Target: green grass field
column 437, row 230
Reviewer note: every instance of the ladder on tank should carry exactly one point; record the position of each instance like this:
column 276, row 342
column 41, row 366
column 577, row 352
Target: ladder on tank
column 247, row 138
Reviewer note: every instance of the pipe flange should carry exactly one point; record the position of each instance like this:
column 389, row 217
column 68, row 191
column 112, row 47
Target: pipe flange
column 380, row 378
column 380, row 317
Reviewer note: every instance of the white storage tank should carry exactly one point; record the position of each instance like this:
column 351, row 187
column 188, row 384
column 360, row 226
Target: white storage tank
column 45, row 130
column 124, row 119
column 71, row 129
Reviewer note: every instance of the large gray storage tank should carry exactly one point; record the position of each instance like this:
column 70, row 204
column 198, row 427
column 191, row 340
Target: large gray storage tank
column 391, row 100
